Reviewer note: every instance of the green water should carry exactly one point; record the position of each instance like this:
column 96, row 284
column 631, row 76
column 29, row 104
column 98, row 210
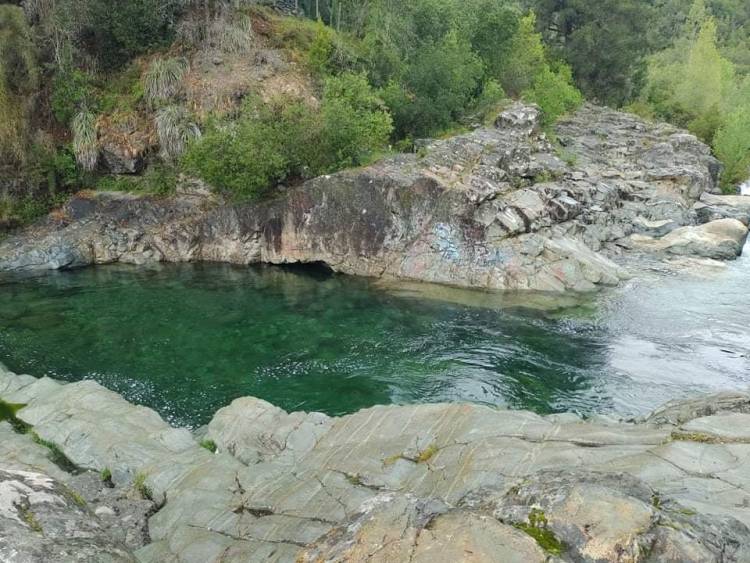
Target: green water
column 188, row 339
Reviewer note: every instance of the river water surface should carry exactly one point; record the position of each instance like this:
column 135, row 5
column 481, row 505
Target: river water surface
column 187, row 339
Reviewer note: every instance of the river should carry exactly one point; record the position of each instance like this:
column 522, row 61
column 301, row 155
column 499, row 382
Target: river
column 187, row 339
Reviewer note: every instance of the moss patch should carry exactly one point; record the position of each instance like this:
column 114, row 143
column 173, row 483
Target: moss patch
column 427, row 454
column 697, row 437
column 75, row 497
column 209, row 445
column 28, row 517
column 536, row 527
column 55, row 454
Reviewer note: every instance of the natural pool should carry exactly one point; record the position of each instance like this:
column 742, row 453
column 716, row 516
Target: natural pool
column 187, row 339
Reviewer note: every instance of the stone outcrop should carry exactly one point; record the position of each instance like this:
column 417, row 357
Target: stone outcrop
column 721, row 239
column 431, row 482
column 498, row 208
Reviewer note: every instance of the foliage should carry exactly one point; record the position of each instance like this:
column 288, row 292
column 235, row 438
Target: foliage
column 732, row 146
column 209, row 445
column 287, row 139
column 72, row 90
column 115, row 31
column 355, row 123
column 18, row 83
column 604, row 42
column 158, row 180
column 139, row 484
column 246, row 157
column 537, row 528
column 437, row 86
column 554, row 92
column 526, row 58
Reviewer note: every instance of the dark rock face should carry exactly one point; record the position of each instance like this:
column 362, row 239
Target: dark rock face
column 498, row 208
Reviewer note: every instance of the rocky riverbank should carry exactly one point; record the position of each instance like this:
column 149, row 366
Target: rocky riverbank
column 500, row 208
column 87, row 476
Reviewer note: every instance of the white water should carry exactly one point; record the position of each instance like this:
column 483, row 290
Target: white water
column 677, row 336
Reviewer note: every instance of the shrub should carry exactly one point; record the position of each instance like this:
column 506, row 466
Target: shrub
column 554, row 92
column 158, row 179
column 732, row 147
column 72, row 89
column 116, row 31
column 356, row 122
column 437, row 86
column 244, row 158
column 286, row 139
column 18, row 83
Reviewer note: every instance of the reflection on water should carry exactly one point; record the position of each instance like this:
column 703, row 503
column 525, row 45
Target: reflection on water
column 187, row 339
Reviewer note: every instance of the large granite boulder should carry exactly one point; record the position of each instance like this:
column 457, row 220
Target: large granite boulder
column 499, row 208
column 722, row 239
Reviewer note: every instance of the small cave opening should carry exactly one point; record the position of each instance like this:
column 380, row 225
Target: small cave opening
column 317, row 270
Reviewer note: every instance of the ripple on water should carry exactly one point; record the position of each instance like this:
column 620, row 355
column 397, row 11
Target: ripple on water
column 188, row 339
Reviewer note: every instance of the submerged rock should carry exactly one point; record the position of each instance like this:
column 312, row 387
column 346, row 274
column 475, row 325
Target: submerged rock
column 499, row 208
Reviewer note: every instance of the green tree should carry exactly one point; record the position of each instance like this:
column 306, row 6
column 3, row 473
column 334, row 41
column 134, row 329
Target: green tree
column 439, row 83
column 605, row 42
column 732, row 147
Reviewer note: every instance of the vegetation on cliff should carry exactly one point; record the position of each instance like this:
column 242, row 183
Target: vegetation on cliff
column 93, row 93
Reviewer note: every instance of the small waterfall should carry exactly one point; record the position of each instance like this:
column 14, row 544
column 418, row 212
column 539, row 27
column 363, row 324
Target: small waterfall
column 745, row 188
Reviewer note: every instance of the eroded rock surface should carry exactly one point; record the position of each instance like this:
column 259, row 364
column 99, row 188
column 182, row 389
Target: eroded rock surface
column 438, row 483
column 498, row 208
column 41, row 519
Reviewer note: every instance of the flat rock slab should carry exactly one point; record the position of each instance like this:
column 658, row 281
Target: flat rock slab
column 728, row 427
column 426, row 482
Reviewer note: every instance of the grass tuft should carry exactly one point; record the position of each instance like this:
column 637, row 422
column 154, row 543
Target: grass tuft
column 85, row 145
column 163, row 79
column 175, row 130
column 209, row 445
column 139, row 484
column 537, row 528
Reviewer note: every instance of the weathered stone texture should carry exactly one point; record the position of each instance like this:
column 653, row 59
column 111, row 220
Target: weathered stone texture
column 498, row 208
column 429, row 482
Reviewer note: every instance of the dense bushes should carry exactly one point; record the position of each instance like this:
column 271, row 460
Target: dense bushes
column 694, row 85
column 288, row 139
column 18, row 83
column 383, row 73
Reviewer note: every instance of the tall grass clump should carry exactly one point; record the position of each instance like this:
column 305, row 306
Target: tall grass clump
column 163, row 79
column 175, row 130
column 85, row 145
